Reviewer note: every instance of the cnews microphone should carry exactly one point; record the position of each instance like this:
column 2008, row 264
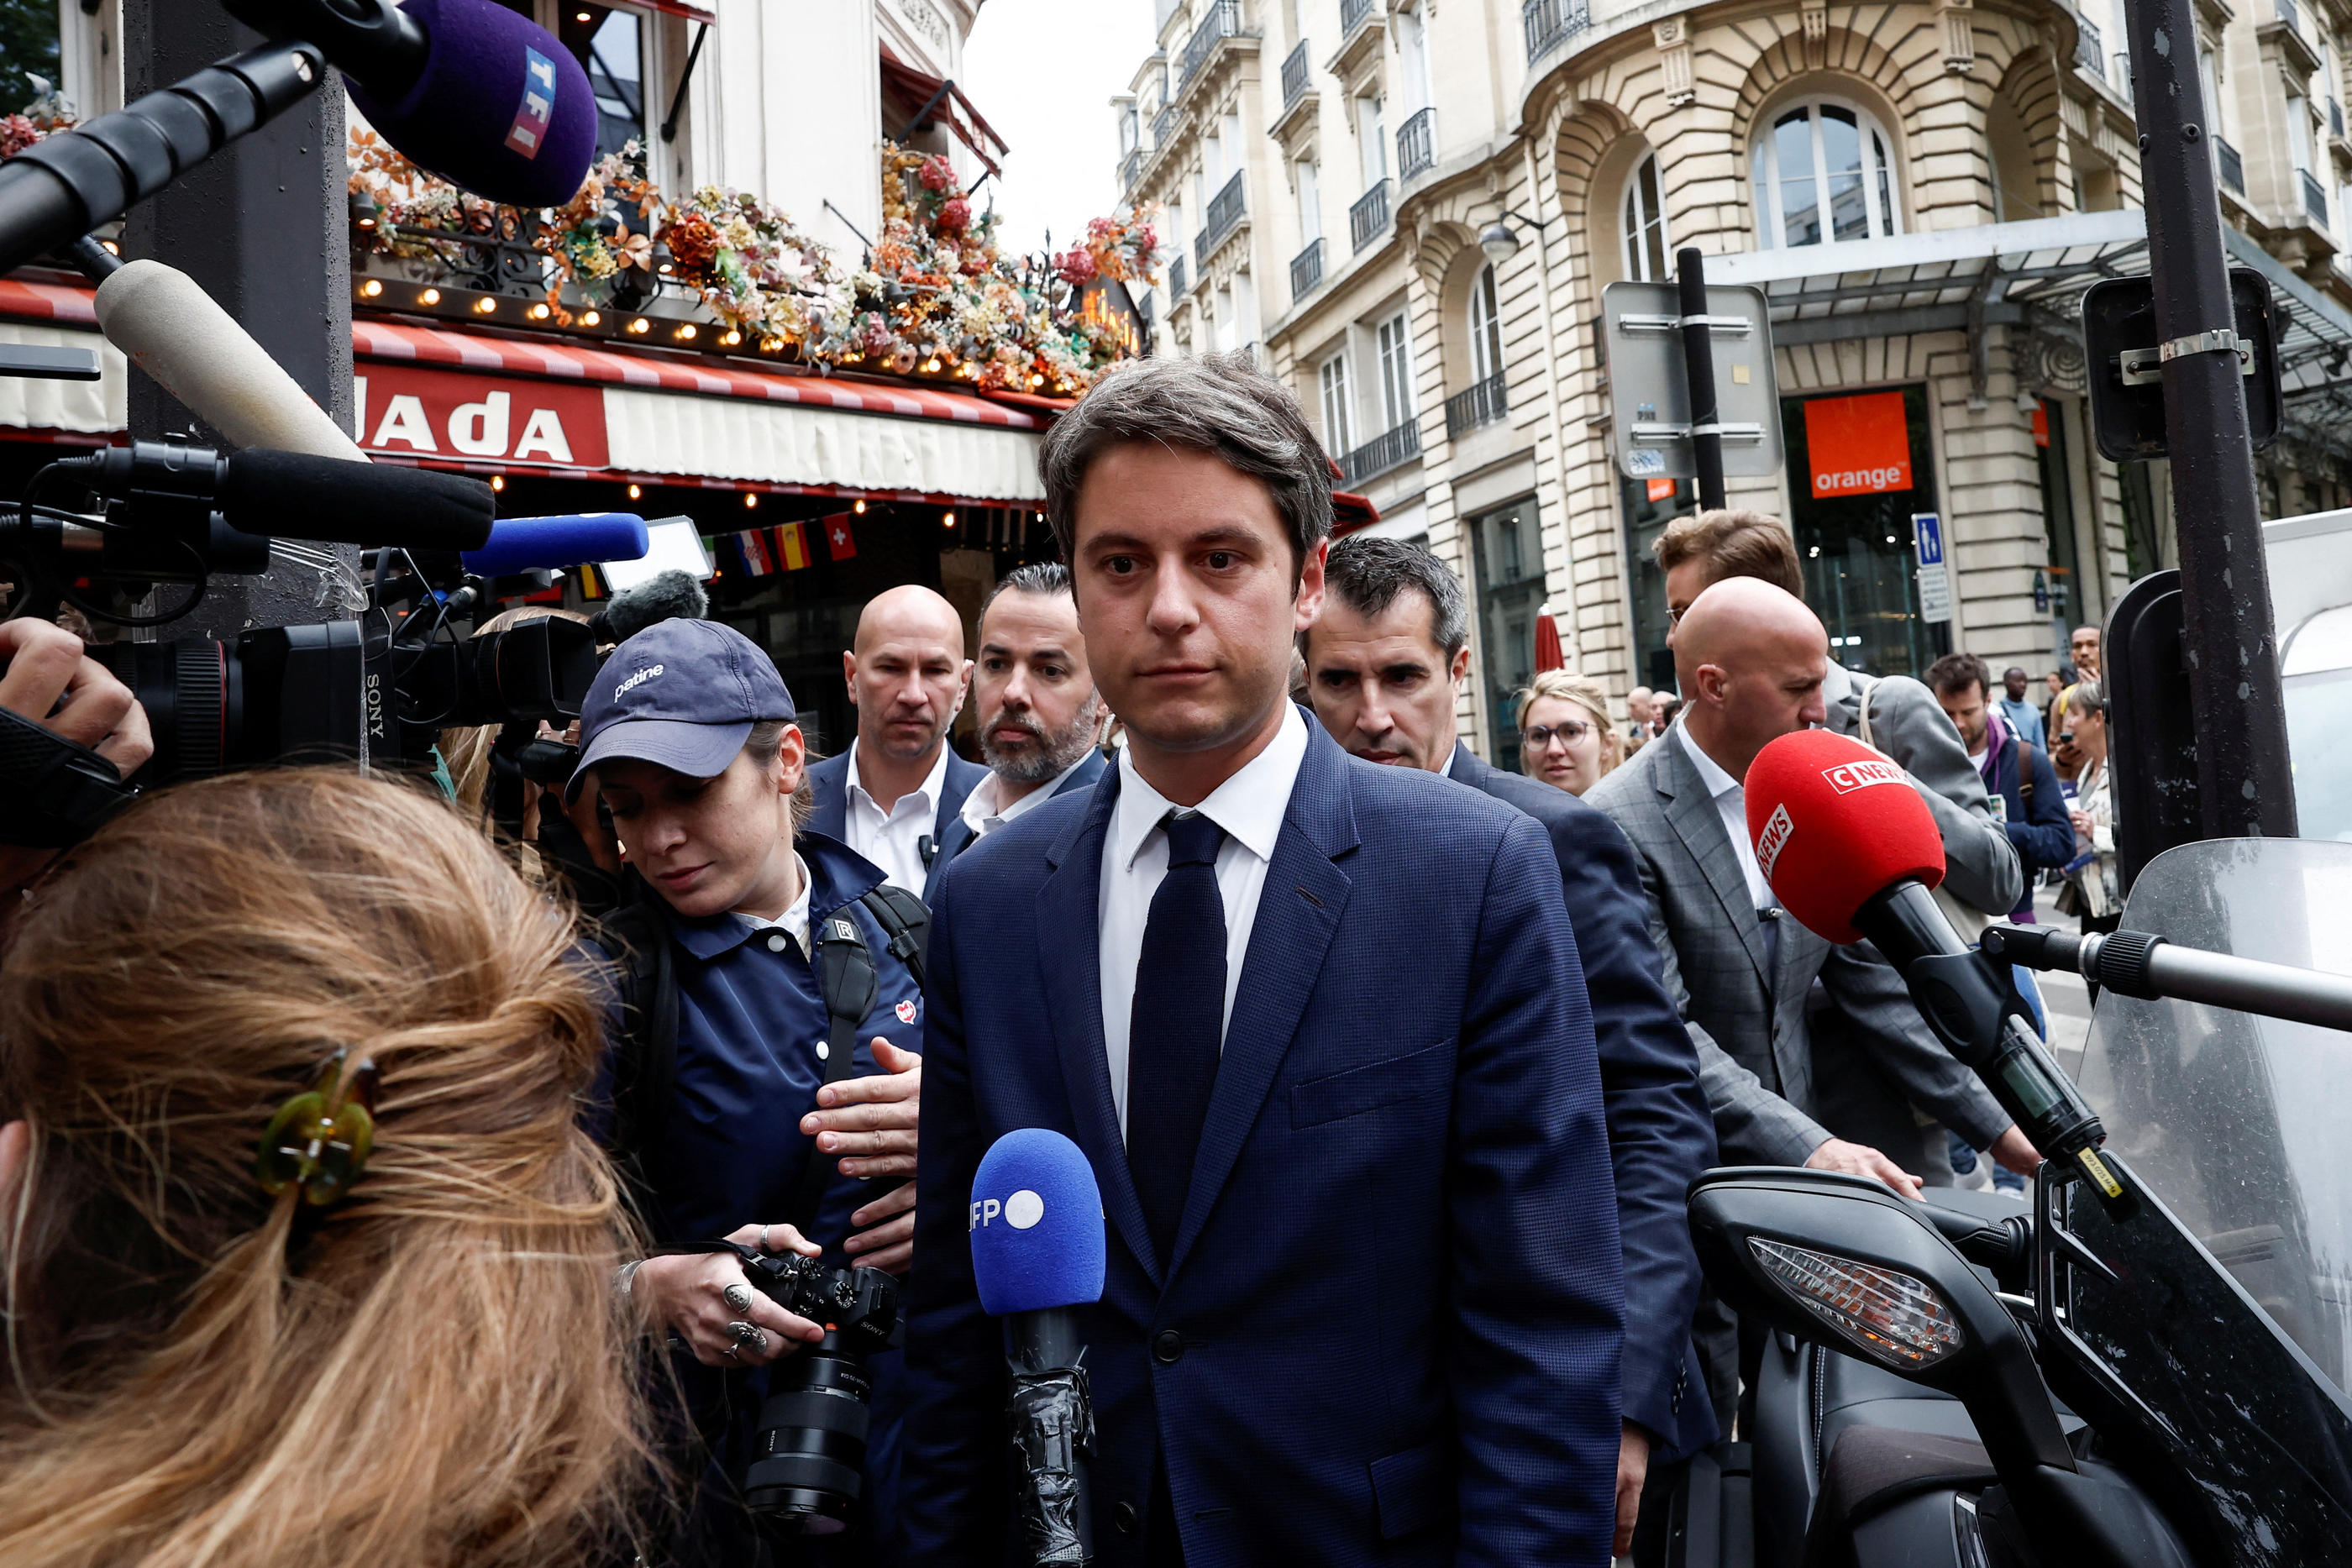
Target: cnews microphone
column 1038, row 1254
column 467, row 88
column 1852, row 852
column 528, row 544
column 295, row 495
column 174, row 331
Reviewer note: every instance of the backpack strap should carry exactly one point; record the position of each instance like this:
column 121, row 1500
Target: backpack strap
column 2024, row 771
column 635, row 937
column 850, row 980
column 905, row 920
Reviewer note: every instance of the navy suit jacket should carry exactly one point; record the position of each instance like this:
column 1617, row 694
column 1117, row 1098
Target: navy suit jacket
column 829, row 783
column 1387, row 1332
column 956, row 836
column 1661, row 1134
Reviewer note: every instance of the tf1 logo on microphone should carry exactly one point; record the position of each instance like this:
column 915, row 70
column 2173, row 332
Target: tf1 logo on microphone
column 1848, row 777
column 1021, row 1210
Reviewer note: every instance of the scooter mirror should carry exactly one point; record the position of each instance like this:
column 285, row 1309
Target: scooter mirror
column 1842, row 1261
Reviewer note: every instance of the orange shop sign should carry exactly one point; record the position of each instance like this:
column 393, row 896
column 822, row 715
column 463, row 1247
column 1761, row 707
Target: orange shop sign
column 411, row 412
column 1858, row 446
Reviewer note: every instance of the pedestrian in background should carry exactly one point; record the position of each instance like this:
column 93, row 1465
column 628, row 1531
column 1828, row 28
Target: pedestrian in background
column 1566, row 739
column 2023, row 718
column 2026, row 798
column 1641, row 707
column 2090, row 891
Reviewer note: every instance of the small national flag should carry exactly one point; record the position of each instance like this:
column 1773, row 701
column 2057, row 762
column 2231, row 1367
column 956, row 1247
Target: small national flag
column 757, row 558
column 792, row 546
column 839, row 536
column 592, row 583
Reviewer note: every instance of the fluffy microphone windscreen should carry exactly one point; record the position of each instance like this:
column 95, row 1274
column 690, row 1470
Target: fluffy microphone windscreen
column 522, row 544
column 1834, row 822
column 179, row 335
column 665, row 596
column 502, row 108
column 1036, row 1225
column 295, row 495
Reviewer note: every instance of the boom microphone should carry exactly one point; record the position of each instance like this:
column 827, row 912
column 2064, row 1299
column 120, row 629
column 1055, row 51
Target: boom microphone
column 665, row 596
column 1852, row 852
column 467, row 88
column 527, row 544
column 174, row 331
column 296, row 494
column 1037, row 1255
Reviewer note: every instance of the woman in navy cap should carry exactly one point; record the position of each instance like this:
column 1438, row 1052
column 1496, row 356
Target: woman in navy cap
column 730, row 1117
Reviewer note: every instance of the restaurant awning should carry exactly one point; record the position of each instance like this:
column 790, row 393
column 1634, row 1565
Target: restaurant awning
column 486, row 403
column 922, row 97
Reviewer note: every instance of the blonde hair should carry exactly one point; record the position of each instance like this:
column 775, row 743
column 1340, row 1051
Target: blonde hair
column 434, row 1371
column 1566, row 686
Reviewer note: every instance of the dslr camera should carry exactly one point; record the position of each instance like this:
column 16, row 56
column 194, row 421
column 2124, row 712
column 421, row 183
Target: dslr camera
column 808, row 1457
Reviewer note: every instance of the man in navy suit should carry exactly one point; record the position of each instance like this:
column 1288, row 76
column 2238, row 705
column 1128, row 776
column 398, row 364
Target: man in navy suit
column 1386, row 662
column 1321, row 1029
column 894, row 793
column 1039, row 716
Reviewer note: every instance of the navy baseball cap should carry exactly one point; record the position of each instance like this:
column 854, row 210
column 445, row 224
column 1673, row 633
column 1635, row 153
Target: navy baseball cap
column 682, row 695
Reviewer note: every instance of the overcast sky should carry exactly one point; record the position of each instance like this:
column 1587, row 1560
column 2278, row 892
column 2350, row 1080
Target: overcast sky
column 1042, row 73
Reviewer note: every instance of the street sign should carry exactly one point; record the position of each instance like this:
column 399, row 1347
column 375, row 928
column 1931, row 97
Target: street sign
column 1934, row 574
column 2119, row 337
column 1651, row 416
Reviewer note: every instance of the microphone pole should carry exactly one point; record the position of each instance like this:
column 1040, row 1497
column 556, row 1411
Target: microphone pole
column 1051, row 1418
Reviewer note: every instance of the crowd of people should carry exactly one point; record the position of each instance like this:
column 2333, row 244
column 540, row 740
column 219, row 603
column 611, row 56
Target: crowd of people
column 1392, row 1076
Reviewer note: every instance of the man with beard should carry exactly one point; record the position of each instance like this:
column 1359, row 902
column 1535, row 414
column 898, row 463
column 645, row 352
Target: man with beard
column 1039, row 716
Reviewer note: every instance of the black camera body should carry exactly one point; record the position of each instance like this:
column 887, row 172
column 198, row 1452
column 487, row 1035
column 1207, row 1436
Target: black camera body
column 808, row 1456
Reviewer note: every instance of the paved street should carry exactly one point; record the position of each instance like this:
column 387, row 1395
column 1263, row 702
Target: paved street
column 2064, row 996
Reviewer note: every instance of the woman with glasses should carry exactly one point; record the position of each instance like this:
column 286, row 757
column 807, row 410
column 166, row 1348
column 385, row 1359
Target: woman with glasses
column 1566, row 738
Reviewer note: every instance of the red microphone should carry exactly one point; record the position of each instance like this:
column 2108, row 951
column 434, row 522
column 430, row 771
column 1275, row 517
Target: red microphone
column 1835, row 824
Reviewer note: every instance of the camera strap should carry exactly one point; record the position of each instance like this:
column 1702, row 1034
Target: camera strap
column 63, row 792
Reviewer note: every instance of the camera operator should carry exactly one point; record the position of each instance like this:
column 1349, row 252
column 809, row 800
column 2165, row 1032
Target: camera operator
column 48, row 677
column 763, row 1114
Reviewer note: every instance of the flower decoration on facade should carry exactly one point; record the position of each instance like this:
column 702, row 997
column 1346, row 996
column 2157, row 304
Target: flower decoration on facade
column 936, row 296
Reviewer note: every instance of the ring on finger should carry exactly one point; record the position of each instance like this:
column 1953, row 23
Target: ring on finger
column 748, row 1336
column 738, row 1297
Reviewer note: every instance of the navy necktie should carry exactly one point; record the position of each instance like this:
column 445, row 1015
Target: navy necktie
column 1176, row 1031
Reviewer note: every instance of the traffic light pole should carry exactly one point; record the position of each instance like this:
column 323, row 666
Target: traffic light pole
column 2244, row 783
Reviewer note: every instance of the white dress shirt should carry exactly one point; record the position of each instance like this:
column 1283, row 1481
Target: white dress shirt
column 793, row 923
column 888, row 840
column 1249, row 807
column 983, row 816
column 1731, row 802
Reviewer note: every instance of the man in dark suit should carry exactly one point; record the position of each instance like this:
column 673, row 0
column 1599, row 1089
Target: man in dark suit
column 1386, row 663
column 893, row 793
column 1039, row 716
column 1321, row 1030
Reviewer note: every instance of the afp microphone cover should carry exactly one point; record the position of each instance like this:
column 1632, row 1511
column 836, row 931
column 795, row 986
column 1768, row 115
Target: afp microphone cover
column 1036, row 1225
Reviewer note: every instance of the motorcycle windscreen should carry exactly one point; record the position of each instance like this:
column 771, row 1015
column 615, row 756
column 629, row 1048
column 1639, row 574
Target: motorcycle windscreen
column 2227, row 1324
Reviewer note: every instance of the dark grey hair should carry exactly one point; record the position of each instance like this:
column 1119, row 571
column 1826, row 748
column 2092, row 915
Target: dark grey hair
column 1367, row 574
column 1045, row 577
column 1219, row 403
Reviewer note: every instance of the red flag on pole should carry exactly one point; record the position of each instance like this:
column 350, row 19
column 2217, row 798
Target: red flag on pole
column 838, row 538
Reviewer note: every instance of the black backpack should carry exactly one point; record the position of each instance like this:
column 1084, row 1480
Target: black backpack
column 635, row 937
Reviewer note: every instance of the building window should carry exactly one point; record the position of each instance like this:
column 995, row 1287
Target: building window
column 1339, row 425
column 1645, row 225
column 1486, row 328
column 610, row 44
column 1396, row 372
column 1310, row 204
column 1824, row 174
column 1373, row 138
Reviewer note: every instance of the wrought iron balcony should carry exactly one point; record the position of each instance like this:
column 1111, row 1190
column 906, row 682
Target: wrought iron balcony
column 2314, row 199
column 2090, row 53
column 2231, row 167
column 1224, row 213
column 2285, row 12
column 1163, row 126
column 1549, row 23
column 1129, row 167
column 1417, row 144
column 1382, row 453
column 1222, row 22
column 1369, row 218
column 1175, row 282
column 1353, row 13
column 1294, row 76
column 1305, row 270
column 1484, row 403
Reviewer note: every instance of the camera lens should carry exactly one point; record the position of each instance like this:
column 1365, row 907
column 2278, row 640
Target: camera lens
column 808, row 1460
column 194, row 692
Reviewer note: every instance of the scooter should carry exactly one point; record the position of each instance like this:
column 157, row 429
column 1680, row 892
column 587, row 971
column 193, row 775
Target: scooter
column 2144, row 1369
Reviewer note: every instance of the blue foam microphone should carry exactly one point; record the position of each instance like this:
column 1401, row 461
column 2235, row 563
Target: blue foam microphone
column 1037, row 1255
column 531, row 544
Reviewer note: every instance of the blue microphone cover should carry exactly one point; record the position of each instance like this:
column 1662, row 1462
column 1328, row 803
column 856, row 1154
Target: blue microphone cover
column 523, row 544
column 1036, row 1225
column 502, row 108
